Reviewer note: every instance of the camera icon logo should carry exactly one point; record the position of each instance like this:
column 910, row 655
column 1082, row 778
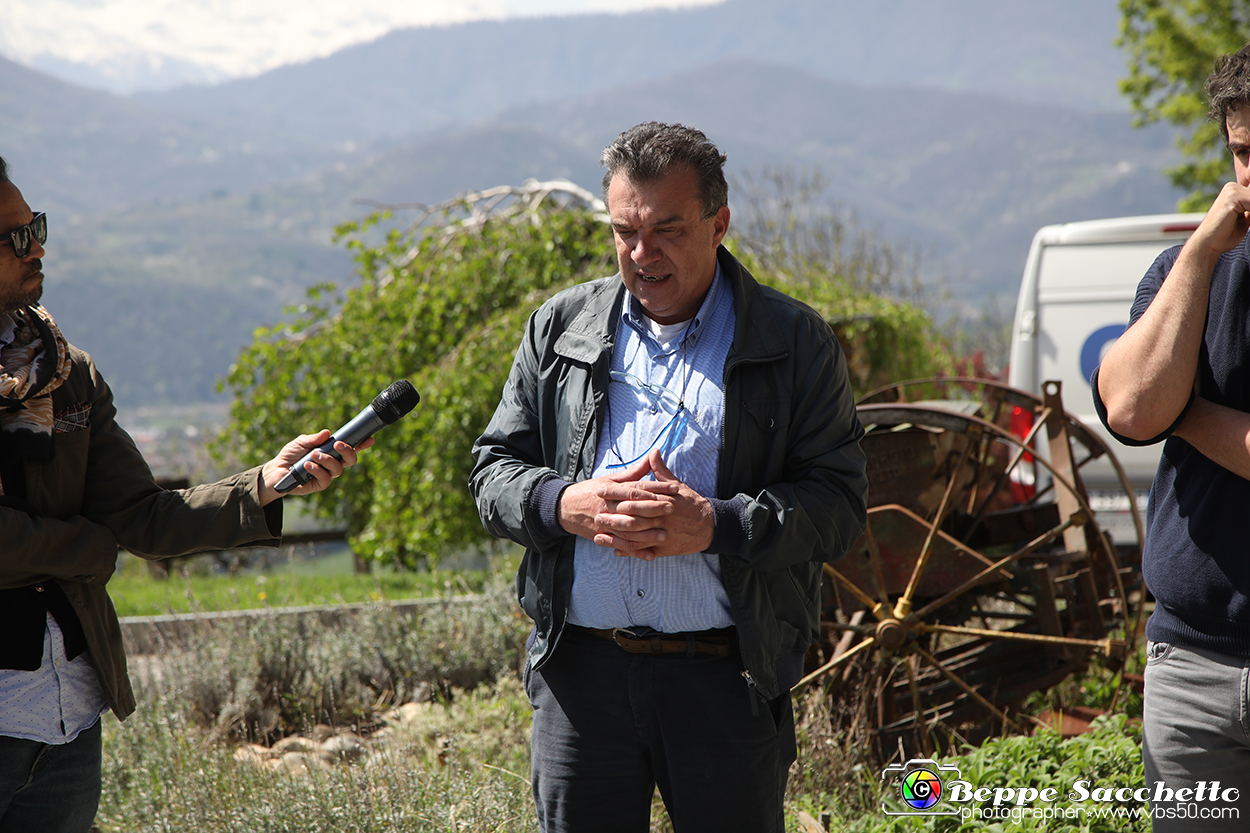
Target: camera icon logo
column 920, row 789
column 920, row 786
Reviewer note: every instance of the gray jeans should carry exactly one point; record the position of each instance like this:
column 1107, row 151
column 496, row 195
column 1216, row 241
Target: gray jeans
column 1197, row 732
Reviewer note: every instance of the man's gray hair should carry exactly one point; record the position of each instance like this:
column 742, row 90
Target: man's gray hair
column 650, row 151
column 1228, row 88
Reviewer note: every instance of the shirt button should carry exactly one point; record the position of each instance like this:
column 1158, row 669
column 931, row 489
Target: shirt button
column 642, row 593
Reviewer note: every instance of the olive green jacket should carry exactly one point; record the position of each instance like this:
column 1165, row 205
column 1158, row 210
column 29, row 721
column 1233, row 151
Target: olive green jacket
column 96, row 494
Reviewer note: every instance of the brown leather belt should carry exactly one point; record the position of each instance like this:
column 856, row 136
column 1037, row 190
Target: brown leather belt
column 719, row 642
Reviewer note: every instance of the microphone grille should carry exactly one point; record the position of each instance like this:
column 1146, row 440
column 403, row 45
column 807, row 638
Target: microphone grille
column 397, row 400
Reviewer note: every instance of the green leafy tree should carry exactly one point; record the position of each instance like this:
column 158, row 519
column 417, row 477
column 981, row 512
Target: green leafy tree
column 443, row 302
column 867, row 288
column 1172, row 46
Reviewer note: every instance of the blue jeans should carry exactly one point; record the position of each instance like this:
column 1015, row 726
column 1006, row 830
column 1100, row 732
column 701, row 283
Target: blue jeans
column 51, row 789
column 1196, row 729
column 609, row 726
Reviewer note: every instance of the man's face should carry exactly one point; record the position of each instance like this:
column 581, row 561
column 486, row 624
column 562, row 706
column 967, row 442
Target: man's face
column 665, row 248
column 1238, row 124
column 21, row 278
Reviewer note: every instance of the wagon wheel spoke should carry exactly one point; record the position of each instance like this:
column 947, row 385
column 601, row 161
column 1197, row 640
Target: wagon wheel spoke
column 904, row 604
column 917, row 707
column 1024, row 446
column 837, row 662
column 886, row 711
column 967, row 689
column 851, row 627
column 867, row 601
column 1032, row 546
column 993, row 614
column 878, row 569
column 1110, row 647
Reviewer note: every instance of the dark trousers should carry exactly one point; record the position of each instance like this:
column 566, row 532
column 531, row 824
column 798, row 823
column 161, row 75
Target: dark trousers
column 50, row 789
column 610, row 726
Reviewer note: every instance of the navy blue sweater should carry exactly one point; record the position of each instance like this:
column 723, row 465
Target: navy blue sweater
column 1196, row 559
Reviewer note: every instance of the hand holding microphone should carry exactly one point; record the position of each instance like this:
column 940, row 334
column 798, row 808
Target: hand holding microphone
column 391, row 404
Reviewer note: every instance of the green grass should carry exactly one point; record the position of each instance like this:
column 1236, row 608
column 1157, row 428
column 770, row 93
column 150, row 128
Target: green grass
column 137, row 592
column 464, row 767
column 465, row 770
column 463, row 764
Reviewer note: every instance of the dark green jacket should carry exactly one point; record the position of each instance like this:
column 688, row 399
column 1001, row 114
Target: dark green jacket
column 791, row 469
column 98, row 493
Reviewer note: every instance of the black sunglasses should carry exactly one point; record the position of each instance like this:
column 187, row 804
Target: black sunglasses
column 21, row 236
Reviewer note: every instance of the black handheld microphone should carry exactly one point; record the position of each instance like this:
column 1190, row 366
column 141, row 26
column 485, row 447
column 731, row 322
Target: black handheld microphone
column 389, row 405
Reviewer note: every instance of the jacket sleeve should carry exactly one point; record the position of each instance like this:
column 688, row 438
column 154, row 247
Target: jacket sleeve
column 512, row 483
column 121, row 494
column 814, row 506
column 98, row 493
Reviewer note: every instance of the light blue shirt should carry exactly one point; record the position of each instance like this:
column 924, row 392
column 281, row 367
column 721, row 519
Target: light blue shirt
column 55, row 703
column 650, row 384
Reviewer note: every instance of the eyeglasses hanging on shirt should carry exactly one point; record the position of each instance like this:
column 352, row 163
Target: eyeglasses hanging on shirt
column 660, row 392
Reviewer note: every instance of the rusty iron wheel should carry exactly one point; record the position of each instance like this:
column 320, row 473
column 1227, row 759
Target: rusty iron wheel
column 969, row 591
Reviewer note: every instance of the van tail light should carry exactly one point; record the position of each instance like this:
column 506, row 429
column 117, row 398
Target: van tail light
column 1024, row 475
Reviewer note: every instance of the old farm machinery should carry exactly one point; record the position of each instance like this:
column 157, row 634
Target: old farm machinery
column 983, row 575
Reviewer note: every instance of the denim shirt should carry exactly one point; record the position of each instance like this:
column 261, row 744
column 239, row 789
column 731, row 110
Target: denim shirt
column 669, row 396
column 55, row 703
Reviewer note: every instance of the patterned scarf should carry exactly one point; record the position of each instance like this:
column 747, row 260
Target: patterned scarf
column 32, row 366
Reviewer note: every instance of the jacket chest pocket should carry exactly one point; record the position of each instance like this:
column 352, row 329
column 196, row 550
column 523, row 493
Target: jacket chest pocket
column 768, row 416
column 760, row 445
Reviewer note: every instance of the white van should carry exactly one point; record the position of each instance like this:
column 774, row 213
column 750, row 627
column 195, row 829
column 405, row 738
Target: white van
column 1079, row 283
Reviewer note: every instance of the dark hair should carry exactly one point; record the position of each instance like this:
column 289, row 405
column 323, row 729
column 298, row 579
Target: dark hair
column 650, row 151
column 4, row 170
column 1228, row 88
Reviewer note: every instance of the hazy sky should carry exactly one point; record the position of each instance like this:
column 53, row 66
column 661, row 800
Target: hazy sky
column 244, row 37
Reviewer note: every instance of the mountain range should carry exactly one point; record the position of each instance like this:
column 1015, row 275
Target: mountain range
column 181, row 220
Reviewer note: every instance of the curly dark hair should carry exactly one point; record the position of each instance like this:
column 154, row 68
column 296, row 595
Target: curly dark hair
column 4, row 170
column 649, row 151
column 1228, row 88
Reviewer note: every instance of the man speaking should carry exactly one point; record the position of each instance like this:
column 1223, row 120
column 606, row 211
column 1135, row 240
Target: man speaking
column 678, row 451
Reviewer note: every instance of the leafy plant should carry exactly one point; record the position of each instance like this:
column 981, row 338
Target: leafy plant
column 867, row 288
column 441, row 303
column 1108, row 755
column 271, row 676
column 1172, row 46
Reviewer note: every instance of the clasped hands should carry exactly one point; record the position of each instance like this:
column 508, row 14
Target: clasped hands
column 645, row 519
